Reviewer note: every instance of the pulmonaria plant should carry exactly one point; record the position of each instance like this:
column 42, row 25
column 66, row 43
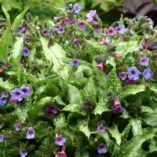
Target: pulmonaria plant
column 71, row 87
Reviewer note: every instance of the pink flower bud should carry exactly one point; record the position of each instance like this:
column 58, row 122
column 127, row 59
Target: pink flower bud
column 100, row 66
column 117, row 55
column 116, row 103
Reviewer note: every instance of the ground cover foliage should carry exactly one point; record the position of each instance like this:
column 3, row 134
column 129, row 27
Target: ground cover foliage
column 70, row 87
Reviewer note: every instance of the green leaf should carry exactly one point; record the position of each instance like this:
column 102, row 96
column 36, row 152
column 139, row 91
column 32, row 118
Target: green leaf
column 6, row 85
column 51, row 89
column 114, row 83
column 89, row 91
column 83, row 127
column 6, row 13
column 74, row 95
column 56, row 54
column 101, row 106
column 131, row 149
column 43, row 101
column 132, row 90
column 21, row 113
column 150, row 117
column 59, row 121
column 115, row 133
column 111, row 61
column 18, row 20
column 153, row 87
column 126, row 131
column 81, row 152
column 128, row 47
column 4, row 43
column 74, row 108
column 16, row 55
column 136, row 126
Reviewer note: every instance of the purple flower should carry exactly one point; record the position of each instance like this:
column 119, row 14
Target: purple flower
column 147, row 73
column 99, row 31
column 101, row 128
column 120, row 29
column 133, row 73
column 1, row 138
column 51, row 111
column 118, row 109
column 21, row 29
column 77, row 8
column 60, row 140
column 67, row 21
column 45, row 32
column 59, row 29
column 144, row 61
column 23, row 153
column 106, row 41
column 110, row 31
column 25, row 52
column 75, row 62
column 122, row 75
column 18, row 126
column 26, row 91
column 76, row 41
column 3, row 101
column 30, row 133
column 90, row 16
column 102, row 149
column 81, row 25
column 16, row 94
column 5, row 94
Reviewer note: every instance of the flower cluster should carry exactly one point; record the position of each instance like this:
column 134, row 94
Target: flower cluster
column 70, row 86
column 19, row 94
column 134, row 73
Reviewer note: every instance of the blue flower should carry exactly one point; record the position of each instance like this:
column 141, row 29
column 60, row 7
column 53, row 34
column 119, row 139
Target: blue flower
column 90, row 16
column 30, row 133
column 59, row 29
column 106, row 41
column 133, row 73
column 101, row 128
column 118, row 109
column 147, row 73
column 3, row 101
column 25, row 52
column 16, row 95
column 77, row 8
column 26, row 91
column 75, row 62
column 121, row 29
column 21, row 29
column 23, row 153
column 144, row 61
column 1, row 138
column 18, row 126
column 102, row 149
